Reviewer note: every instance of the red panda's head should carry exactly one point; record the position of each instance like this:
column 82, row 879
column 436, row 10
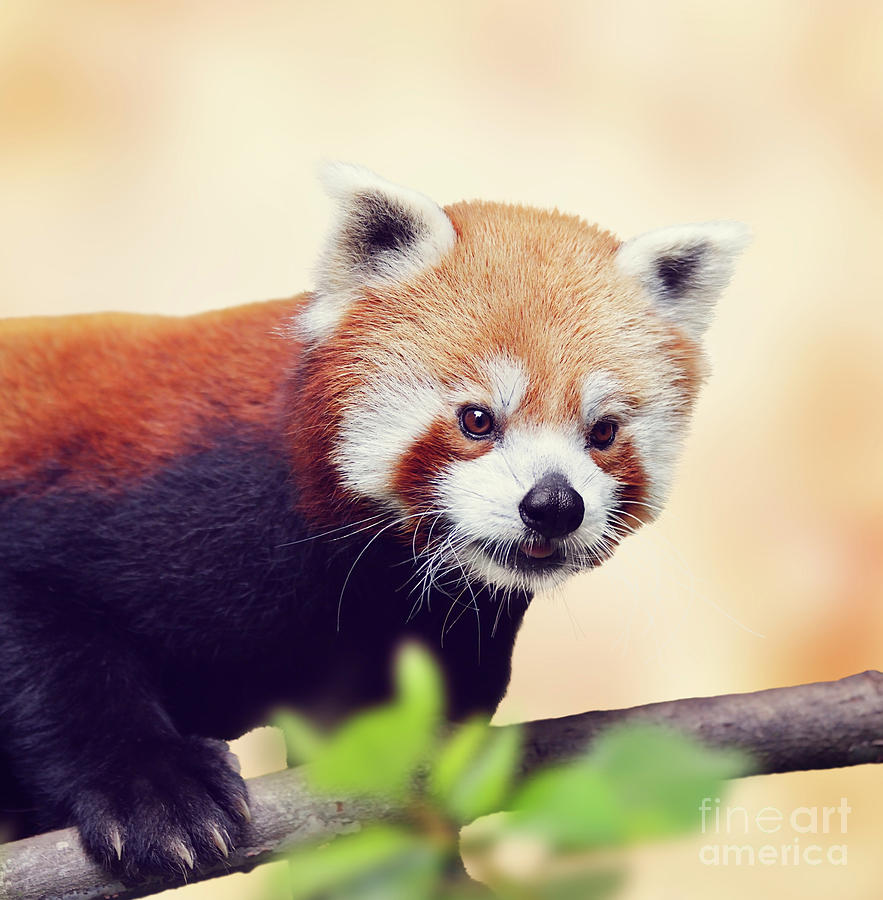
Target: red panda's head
column 511, row 385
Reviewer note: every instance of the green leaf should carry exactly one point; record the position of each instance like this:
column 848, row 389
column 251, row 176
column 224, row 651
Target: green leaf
column 303, row 743
column 456, row 755
column 661, row 777
column 637, row 783
column 474, row 774
column 377, row 863
column 378, row 753
column 375, row 754
column 419, row 682
column 570, row 807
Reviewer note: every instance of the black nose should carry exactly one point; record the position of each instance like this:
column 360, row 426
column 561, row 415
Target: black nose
column 552, row 507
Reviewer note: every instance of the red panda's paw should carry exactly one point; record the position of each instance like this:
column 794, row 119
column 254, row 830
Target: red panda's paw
column 178, row 807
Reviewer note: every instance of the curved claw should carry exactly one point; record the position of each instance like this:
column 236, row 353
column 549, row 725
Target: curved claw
column 181, row 849
column 116, row 841
column 219, row 841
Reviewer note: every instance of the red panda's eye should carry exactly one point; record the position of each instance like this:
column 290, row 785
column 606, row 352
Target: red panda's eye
column 602, row 434
column 476, row 422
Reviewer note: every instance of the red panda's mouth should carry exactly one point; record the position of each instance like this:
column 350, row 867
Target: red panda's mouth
column 537, row 553
column 532, row 554
column 538, row 548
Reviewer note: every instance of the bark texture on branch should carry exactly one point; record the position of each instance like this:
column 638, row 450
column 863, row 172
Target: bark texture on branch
column 53, row 866
column 812, row 726
column 823, row 725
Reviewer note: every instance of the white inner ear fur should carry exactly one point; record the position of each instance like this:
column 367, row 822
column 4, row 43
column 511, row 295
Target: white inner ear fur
column 382, row 233
column 685, row 268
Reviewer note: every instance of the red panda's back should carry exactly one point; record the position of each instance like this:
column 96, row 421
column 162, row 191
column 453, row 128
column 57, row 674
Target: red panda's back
column 100, row 399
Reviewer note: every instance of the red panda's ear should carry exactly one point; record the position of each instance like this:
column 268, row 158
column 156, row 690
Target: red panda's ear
column 382, row 233
column 685, row 268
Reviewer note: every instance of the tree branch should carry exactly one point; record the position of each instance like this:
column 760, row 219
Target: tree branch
column 824, row 725
column 812, row 726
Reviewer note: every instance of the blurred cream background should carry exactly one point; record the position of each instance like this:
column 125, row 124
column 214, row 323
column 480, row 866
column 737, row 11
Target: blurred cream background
column 159, row 156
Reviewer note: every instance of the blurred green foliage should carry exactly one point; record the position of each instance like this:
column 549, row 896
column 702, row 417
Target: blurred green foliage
column 636, row 783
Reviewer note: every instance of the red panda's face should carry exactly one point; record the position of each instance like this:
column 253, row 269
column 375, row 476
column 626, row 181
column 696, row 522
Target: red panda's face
column 511, row 385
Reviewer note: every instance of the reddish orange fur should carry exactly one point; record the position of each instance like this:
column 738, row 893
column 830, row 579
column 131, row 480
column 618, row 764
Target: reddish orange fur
column 100, row 398
column 538, row 285
column 686, row 355
column 96, row 399
column 622, row 462
column 314, row 404
column 426, row 459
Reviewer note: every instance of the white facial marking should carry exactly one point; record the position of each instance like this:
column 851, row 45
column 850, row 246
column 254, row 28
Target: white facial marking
column 654, row 428
column 501, row 389
column 482, row 496
column 382, row 419
column 656, row 434
column 601, row 395
column 508, row 382
column 392, row 412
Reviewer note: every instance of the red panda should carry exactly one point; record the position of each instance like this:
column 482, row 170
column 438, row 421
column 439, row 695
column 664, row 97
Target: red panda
column 203, row 518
